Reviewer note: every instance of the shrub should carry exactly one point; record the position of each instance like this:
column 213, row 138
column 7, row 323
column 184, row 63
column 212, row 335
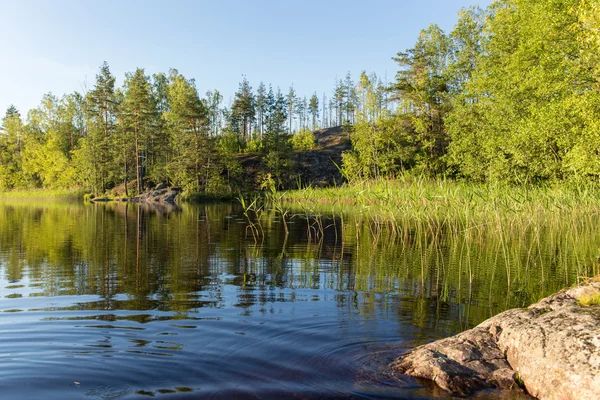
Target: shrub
column 303, row 140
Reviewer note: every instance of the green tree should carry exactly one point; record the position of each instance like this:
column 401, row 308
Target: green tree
column 12, row 135
column 161, row 151
column 467, row 46
column 45, row 164
column 291, row 102
column 276, row 143
column 93, row 161
column 213, row 103
column 51, row 135
column 530, row 111
column 187, row 119
column 349, row 102
column 313, row 109
column 243, row 111
column 382, row 144
column 261, row 103
column 338, row 102
column 140, row 114
column 422, row 85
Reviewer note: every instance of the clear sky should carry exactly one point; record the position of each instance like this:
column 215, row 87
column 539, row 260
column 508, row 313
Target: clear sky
column 58, row 45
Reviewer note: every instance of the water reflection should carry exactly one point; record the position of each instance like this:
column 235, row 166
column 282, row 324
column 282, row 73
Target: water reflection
column 184, row 299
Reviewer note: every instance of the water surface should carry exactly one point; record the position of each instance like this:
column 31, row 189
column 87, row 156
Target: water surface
column 119, row 301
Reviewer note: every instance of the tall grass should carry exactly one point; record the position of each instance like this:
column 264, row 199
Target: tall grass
column 442, row 202
column 551, row 229
column 43, row 194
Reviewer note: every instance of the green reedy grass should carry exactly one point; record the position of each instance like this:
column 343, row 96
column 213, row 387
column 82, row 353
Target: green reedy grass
column 43, row 194
column 520, row 224
column 444, row 201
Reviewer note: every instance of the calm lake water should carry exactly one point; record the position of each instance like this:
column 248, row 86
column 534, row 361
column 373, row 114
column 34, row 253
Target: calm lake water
column 118, row 301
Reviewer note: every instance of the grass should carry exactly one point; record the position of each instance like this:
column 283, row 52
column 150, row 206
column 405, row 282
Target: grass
column 519, row 381
column 442, row 201
column 590, row 300
column 43, row 194
column 546, row 228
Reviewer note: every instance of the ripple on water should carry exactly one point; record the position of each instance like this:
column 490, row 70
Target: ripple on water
column 113, row 391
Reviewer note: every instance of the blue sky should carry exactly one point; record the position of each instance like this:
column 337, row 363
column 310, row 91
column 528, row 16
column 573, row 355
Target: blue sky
column 58, row 45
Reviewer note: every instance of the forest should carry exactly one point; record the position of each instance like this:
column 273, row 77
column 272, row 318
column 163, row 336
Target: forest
column 511, row 94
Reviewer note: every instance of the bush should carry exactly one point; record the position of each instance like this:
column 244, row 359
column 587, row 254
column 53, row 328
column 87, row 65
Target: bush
column 303, row 140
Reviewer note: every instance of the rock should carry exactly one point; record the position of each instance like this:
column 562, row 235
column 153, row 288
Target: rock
column 100, row 199
column 169, row 197
column 462, row 364
column 553, row 347
column 156, row 196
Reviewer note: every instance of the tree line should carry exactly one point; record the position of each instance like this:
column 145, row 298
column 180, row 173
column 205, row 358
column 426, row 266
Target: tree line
column 159, row 129
column 511, row 93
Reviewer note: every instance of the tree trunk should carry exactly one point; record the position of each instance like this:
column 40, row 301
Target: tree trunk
column 137, row 162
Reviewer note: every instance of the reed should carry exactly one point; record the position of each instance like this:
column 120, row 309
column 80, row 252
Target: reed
column 492, row 234
column 445, row 202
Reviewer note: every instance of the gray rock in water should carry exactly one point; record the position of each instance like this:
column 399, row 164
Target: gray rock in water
column 552, row 347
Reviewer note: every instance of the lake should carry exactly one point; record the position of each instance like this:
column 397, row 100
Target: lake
column 109, row 301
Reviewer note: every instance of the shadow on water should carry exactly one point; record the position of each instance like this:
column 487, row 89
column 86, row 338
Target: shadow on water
column 120, row 300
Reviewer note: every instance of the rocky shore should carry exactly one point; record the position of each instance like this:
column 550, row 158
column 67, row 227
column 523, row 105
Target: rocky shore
column 160, row 194
column 550, row 349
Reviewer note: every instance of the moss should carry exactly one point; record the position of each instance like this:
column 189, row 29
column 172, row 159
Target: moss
column 519, row 381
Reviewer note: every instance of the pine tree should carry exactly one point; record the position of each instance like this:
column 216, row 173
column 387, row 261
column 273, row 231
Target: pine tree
column 160, row 147
column 313, row 108
column 261, row 101
column 338, row 98
column 94, row 161
column 291, row 101
column 243, row 110
column 213, row 102
column 276, row 143
column 422, row 83
column 140, row 115
column 349, row 101
column 324, row 121
column 187, row 119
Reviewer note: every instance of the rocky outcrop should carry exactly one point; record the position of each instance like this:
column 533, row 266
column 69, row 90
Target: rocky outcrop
column 552, row 349
column 161, row 194
column 317, row 167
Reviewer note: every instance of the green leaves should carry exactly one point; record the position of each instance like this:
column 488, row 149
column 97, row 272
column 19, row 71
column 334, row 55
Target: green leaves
column 529, row 110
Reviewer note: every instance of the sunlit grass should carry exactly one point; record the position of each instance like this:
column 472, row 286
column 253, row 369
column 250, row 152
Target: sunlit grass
column 549, row 229
column 590, row 300
column 445, row 201
column 43, row 194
